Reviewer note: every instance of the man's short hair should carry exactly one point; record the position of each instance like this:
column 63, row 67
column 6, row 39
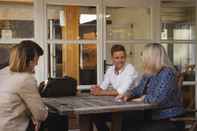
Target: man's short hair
column 116, row 48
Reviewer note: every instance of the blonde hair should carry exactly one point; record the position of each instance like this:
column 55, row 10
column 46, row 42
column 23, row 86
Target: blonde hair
column 155, row 58
column 17, row 61
column 22, row 54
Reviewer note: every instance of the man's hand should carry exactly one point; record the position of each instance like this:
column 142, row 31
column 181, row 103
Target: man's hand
column 95, row 90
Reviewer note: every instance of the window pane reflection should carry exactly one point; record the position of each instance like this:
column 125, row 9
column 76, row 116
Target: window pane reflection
column 85, row 66
column 72, row 22
column 16, row 20
column 127, row 23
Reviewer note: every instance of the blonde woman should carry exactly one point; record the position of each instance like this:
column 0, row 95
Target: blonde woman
column 158, row 86
column 20, row 100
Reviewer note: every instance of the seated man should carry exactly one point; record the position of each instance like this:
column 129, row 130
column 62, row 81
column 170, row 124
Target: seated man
column 121, row 76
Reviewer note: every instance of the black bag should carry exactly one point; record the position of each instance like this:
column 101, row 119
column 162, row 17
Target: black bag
column 58, row 87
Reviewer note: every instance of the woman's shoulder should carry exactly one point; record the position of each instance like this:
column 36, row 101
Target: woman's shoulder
column 16, row 81
column 167, row 72
column 23, row 77
column 22, row 74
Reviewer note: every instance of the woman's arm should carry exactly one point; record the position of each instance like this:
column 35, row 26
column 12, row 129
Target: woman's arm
column 137, row 93
column 138, row 90
column 28, row 92
column 166, row 83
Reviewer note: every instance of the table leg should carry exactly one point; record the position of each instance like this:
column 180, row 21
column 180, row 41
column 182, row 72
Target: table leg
column 116, row 121
column 85, row 123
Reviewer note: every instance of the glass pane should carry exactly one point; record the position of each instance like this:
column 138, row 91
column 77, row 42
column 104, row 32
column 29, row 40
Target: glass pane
column 183, row 57
column 85, row 64
column 4, row 55
column 134, row 53
column 178, row 20
column 16, row 20
column 188, row 92
column 7, row 46
column 127, row 23
column 88, row 64
column 72, row 22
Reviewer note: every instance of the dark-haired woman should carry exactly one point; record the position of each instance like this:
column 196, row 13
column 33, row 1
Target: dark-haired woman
column 20, row 101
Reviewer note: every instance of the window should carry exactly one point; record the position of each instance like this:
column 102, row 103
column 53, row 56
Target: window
column 72, row 42
column 128, row 23
column 130, row 27
column 16, row 22
column 60, row 20
column 134, row 53
column 178, row 28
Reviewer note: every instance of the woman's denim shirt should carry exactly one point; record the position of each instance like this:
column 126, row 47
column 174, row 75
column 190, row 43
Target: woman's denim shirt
column 161, row 89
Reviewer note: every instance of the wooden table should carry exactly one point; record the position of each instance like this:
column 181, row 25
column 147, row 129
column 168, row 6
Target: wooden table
column 85, row 105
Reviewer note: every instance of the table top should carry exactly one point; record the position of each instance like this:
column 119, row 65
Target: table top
column 87, row 104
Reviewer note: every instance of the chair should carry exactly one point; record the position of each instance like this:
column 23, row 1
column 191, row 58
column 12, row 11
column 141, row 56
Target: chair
column 4, row 57
column 189, row 117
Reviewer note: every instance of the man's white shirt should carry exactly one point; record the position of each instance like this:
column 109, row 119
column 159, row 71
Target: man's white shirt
column 122, row 81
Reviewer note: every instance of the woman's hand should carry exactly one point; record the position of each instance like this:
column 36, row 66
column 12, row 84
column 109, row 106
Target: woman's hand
column 140, row 99
column 121, row 98
column 95, row 90
column 132, row 98
column 36, row 125
column 46, row 113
